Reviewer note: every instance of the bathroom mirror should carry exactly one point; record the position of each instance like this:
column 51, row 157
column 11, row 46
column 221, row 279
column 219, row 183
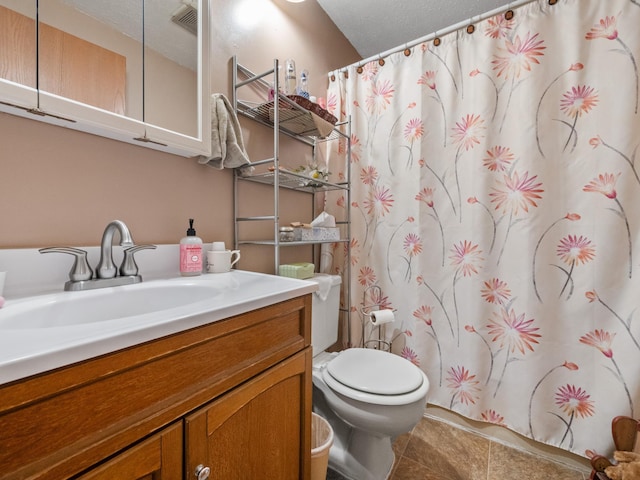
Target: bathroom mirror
column 133, row 70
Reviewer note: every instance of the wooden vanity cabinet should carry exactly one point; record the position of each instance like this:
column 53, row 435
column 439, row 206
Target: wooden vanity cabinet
column 233, row 395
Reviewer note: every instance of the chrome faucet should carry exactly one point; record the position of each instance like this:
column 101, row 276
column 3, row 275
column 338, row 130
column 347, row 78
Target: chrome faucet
column 106, row 268
column 81, row 275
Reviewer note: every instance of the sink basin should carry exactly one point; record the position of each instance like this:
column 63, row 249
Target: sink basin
column 44, row 332
column 77, row 308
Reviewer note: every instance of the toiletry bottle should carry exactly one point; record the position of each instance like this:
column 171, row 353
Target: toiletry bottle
column 290, row 82
column 190, row 253
column 303, row 88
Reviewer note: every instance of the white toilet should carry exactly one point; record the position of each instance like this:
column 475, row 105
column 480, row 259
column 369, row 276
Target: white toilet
column 368, row 396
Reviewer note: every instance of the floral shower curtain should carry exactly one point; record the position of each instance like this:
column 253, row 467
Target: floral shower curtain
column 495, row 207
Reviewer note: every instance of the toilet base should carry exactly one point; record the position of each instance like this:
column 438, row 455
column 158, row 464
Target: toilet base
column 364, row 457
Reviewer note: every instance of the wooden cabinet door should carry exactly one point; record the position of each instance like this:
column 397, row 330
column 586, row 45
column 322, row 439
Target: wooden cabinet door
column 157, row 458
column 262, row 429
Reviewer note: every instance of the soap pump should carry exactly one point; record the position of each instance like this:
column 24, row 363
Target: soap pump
column 190, row 253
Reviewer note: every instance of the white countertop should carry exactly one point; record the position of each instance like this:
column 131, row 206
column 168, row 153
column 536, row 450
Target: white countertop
column 32, row 350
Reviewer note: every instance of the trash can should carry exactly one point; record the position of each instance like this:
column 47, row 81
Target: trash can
column 321, row 441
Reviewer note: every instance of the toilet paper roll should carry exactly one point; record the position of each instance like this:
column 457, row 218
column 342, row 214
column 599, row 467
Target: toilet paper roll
column 380, row 317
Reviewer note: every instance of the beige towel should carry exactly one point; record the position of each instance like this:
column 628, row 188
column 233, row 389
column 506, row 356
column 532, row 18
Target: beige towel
column 227, row 145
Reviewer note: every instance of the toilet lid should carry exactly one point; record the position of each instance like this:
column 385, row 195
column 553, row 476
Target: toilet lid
column 375, row 372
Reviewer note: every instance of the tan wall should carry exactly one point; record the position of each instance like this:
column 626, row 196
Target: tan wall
column 61, row 187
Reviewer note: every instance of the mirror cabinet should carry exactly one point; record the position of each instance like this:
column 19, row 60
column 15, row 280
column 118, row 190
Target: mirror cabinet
column 131, row 70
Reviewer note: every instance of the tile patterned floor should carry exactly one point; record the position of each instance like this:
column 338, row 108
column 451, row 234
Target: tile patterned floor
column 436, row 450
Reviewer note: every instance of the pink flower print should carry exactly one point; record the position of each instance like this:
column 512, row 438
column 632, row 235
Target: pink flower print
column 424, row 314
column 495, row 291
column 601, row 340
column 572, row 217
column 491, row 416
column 574, row 402
column 380, row 97
column 369, row 71
column 518, row 55
column 465, row 257
column 498, row 27
column 573, row 251
column 592, row 296
column 517, row 193
column 466, row 134
column 369, row 175
column 498, row 159
column 595, row 142
column 579, row 100
column 572, row 68
column 428, row 79
column 367, row 276
column 425, row 195
column 513, row 195
column 379, row 202
column 468, row 131
column 569, row 366
column 356, row 148
column 606, row 184
column 513, row 331
column 413, row 130
column 607, row 29
column 332, row 103
column 410, row 355
column 412, row 244
column 463, row 385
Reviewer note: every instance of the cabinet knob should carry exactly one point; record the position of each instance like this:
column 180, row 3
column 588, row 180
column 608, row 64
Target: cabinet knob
column 202, row 472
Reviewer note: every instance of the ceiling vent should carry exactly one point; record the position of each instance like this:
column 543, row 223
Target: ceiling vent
column 187, row 17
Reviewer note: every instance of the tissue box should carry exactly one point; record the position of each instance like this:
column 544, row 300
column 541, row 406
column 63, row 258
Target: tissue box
column 316, row 234
column 296, row 270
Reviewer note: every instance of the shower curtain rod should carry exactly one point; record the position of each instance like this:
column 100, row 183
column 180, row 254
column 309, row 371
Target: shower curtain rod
column 446, row 31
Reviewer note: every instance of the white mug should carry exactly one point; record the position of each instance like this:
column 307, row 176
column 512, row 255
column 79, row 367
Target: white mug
column 221, row 261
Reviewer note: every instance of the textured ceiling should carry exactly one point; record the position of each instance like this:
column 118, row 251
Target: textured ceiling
column 375, row 26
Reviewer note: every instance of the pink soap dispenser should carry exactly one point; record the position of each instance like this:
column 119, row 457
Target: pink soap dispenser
column 190, row 253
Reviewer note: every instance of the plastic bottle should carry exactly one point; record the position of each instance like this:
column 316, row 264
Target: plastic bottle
column 290, row 82
column 190, row 253
column 303, row 88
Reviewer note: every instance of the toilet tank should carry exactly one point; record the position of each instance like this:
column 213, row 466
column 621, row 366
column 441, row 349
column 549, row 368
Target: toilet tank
column 325, row 312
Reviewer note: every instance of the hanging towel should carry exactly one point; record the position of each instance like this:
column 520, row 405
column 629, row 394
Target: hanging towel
column 227, row 145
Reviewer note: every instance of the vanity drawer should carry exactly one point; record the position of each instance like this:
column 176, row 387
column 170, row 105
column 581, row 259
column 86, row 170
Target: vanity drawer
column 60, row 423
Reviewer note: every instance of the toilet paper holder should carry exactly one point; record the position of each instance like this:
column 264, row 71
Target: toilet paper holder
column 366, row 311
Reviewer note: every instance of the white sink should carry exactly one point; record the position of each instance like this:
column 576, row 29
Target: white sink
column 44, row 332
column 77, row 308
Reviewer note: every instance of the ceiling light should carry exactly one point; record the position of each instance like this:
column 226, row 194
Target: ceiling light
column 295, row 1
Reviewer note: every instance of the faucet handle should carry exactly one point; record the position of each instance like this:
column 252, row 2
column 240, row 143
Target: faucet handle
column 80, row 270
column 129, row 266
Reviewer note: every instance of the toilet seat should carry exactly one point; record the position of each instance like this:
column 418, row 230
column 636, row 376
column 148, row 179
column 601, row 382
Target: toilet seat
column 375, row 377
